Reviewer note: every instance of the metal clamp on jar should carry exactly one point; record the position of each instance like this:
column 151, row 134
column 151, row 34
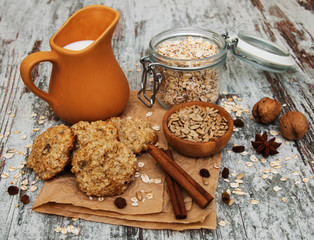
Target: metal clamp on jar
column 177, row 78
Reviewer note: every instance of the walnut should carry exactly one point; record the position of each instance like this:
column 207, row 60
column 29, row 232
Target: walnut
column 293, row 125
column 266, row 110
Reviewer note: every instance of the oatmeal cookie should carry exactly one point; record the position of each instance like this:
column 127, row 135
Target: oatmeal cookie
column 86, row 132
column 51, row 151
column 104, row 169
column 136, row 134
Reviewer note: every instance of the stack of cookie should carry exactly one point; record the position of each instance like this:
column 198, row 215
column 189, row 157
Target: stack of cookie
column 104, row 157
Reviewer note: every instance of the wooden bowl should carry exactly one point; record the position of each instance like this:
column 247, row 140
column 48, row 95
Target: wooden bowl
column 197, row 149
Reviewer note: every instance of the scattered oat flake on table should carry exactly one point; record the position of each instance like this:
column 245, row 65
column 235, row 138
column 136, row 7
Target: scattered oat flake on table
column 284, row 179
column 7, row 133
column 28, row 146
column 222, row 223
column 286, row 142
column 264, row 176
column 156, row 128
column 149, row 196
column 90, row 198
column 287, row 158
column 23, row 137
column 149, row 114
column 276, row 188
column 145, row 178
column 58, row 229
column 231, row 201
column 41, row 121
column 157, row 181
column 226, row 180
column 225, row 92
column 33, row 188
column 36, row 129
column 134, row 204
column 254, row 158
column 273, row 164
column 8, row 155
column 25, row 182
column 34, row 115
column 305, row 180
column 74, row 219
column 249, row 164
column 16, row 176
column 238, row 181
column 134, row 199
column 239, row 193
column 244, row 153
column 254, row 201
column 23, row 187
column 234, row 185
column 274, row 171
column 274, row 133
column 4, row 175
column 296, row 173
column 140, row 164
column 64, row 231
column 16, row 132
column 216, row 166
column 284, row 199
column 12, row 169
column 295, row 156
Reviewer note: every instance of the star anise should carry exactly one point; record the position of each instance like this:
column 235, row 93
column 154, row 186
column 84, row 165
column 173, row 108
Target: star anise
column 266, row 148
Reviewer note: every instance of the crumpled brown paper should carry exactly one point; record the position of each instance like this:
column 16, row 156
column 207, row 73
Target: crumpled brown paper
column 61, row 195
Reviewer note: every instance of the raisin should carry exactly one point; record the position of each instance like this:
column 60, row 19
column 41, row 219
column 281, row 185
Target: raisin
column 238, row 122
column 46, row 149
column 120, row 202
column 204, row 173
column 82, row 164
column 13, row 190
column 238, row 149
column 225, row 197
column 225, row 173
column 25, row 199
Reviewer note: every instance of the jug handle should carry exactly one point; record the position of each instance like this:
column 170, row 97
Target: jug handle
column 25, row 70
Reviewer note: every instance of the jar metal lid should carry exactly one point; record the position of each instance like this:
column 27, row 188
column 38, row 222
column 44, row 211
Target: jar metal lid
column 261, row 53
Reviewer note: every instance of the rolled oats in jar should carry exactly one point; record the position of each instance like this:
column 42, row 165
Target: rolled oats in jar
column 186, row 66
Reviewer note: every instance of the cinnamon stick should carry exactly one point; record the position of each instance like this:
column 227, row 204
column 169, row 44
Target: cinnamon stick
column 199, row 194
column 175, row 195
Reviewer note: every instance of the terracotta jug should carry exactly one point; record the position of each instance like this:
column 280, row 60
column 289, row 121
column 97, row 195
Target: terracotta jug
column 85, row 84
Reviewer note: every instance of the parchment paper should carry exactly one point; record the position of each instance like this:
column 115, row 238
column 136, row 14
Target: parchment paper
column 61, row 195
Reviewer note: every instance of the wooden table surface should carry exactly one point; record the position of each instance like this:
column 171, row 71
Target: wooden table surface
column 26, row 27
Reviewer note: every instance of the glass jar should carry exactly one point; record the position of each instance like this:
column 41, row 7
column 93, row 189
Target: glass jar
column 177, row 78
